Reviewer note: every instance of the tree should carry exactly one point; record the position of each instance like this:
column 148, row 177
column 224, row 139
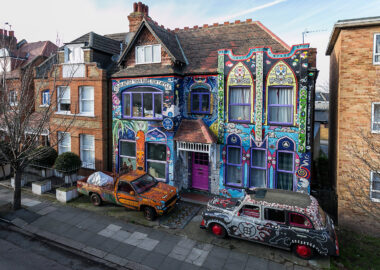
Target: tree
column 21, row 124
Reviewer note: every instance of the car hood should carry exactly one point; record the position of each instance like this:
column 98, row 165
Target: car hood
column 160, row 192
column 222, row 204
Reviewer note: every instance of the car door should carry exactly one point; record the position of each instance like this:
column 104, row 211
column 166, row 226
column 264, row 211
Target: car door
column 275, row 223
column 245, row 222
column 126, row 195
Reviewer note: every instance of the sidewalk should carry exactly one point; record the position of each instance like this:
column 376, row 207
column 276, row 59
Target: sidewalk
column 126, row 244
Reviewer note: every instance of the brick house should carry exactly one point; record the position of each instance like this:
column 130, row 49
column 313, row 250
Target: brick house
column 216, row 108
column 354, row 50
column 76, row 80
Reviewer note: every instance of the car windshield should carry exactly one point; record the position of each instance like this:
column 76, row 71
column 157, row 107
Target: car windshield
column 144, row 183
column 323, row 216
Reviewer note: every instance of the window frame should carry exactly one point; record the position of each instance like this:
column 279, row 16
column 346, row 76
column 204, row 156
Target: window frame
column 374, row 50
column 87, row 165
column 81, row 100
column 299, row 225
column 373, row 117
column 371, row 190
column 200, row 95
column 130, row 93
column 43, row 96
column 12, row 96
column 60, row 142
column 122, row 156
column 144, row 47
column 240, row 211
column 236, row 165
column 282, row 171
column 239, row 104
column 259, row 168
column 59, row 99
column 157, row 161
column 278, row 222
column 281, row 105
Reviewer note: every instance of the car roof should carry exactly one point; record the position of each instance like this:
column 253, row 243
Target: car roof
column 131, row 176
column 280, row 197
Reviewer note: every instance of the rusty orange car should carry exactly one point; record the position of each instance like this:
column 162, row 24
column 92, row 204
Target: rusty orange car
column 135, row 190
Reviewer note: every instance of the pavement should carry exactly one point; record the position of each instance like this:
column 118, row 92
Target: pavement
column 135, row 246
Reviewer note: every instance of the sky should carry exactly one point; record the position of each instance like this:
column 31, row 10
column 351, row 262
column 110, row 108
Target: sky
column 48, row 19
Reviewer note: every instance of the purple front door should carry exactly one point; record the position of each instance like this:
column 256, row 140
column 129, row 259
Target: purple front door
column 200, row 171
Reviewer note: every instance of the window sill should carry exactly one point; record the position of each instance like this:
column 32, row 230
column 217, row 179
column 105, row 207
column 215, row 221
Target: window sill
column 375, row 200
column 142, row 119
column 375, row 131
column 64, row 113
column 44, row 105
column 85, row 115
column 72, row 114
column 147, row 63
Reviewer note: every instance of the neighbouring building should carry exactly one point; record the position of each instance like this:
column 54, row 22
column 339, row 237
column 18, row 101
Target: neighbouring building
column 354, row 123
column 217, row 108
column 76, row 81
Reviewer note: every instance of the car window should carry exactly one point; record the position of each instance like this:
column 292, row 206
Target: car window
column 125, row 187
column 274, row 215
column 299, row 220
column 250, row 211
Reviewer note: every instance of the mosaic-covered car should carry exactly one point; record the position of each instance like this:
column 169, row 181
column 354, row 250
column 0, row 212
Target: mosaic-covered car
column 279, row 218
column 135, row 190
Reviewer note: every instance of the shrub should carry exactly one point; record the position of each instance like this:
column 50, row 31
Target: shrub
column 68, row 162
column 46, row 156
column 4, row 148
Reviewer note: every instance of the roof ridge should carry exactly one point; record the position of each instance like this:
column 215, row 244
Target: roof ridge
column 204, row 26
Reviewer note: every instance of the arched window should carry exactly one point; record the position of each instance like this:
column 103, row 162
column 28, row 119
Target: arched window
column 142, row 103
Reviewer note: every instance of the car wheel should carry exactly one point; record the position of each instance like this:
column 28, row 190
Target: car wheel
column 149, row 213
column 303, row 251
column 218, row 230
column 95, row 199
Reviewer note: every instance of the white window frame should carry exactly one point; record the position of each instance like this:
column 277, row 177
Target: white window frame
column 374, row 49
column 371, row 189
column 373, row 117
column 86, row 164
column 158, row 59
column 12, row 98
column 60, row 134
column 59, row 98
column 45, row 93
column 82, row 99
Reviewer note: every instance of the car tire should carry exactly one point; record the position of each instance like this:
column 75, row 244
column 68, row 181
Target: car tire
column 303, row 251
column 218, row 230
column 149, row 213
column 95, row 199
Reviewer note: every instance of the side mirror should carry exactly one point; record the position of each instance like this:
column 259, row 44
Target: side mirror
column 132, row 193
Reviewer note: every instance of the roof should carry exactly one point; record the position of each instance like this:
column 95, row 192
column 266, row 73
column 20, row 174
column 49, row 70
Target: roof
column 350, row 23
column 195, row 131
column 284, row 197
column 98, row 42
column 197, row 48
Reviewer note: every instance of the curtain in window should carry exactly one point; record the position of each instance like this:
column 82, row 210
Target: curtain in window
column 239, row 96
column 258, row 158
column 284, row 181
column 285, row 161
column 258, row 177
column 280, row 105
column 234, row 156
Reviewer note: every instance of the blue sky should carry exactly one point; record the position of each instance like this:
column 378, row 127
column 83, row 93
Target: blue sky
column 46, row 19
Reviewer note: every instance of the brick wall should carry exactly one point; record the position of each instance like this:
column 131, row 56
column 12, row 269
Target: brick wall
column 354, row 85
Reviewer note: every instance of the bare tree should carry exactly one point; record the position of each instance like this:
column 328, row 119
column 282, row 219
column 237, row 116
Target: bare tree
column 21, row 124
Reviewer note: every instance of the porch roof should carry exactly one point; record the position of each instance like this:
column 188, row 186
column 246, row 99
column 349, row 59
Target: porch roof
column 195, row 131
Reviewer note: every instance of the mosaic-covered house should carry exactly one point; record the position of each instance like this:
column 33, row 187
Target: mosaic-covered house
column 216, row 108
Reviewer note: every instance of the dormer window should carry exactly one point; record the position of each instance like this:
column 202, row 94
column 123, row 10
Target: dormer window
column 74, row 53
column 148, row 54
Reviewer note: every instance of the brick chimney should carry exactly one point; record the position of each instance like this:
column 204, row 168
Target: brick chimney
column 313, row 57
column 135, row 18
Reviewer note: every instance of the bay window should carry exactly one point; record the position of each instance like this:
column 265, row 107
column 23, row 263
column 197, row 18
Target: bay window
column 285, row 170
column 240, row 104
column 234, row 168
column 280, row 105
column 156, row 160
column 258, row 173
column 127, row 156
column 87, row 151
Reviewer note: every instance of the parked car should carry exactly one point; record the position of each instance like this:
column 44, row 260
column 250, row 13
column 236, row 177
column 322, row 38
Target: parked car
column 136, row 190
column 285, row 219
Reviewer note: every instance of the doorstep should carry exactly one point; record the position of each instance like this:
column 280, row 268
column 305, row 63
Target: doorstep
column 197, row 197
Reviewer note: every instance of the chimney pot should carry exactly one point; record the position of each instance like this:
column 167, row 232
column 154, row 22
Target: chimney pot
column 226, row 23
column 195, row 27
column 139, row 7
column 11, row 33
column 205, row 25
column 1, row 31
column 237, row 21
column 176, row 29
column 186, row 28
column 249, row 20
column 134, row 7
column 5, row 33
column 215, row 24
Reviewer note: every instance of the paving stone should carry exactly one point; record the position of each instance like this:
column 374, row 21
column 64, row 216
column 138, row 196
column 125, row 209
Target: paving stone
column 154, row 259
column 46, row 210
column 27, row 215
column 165, row 246
column 19, row 222
column 109, row 245
column 148, row 244
column 123, row 250
column 188, row 266
column 113, row 227
column 238, row 256
column 220, row 252
column 137, row 255
column 213, row 262
column 170, row 264
column 29, row 202
column 275, row 266
column 179, row 253
column 95, row 252
column 70, row 243
column 197, row 256
column 38, row 207
column 96, row 240
column 135, row 239
column 84, row 236
column 234, row 264
column 186, row 243
column 157, row 235
column 203, row 246
column 254, row 263
column 120, row 235
column 115, row 259
column 106, row 232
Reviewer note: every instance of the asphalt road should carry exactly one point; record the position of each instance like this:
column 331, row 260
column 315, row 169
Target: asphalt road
column 20, row 252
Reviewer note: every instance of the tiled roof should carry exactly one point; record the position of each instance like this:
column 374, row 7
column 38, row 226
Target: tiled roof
column 195, row 131
column 98, row 42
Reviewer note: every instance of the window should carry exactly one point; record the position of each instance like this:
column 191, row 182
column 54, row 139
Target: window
column 143, row 103
column 240, row 104
column 285, row 170
column 45, row 98
column 12, row 98
column 87, row 151
column 250, row 211
column 127, row 156
column 376, row 117
column 376, row 49
column 148, row 54
column 86, row 105
column 156, row 160
column 280, row 105
column 125, row 187
column 234, row 174
column 200, row 101
column 64, row 142
column 258, row 174
column 375, row 187
column 74, row 53
column 63, row 98
column 299, row 220
column 274, row 215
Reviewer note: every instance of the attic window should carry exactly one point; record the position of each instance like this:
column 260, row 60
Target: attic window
column 148, row 54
